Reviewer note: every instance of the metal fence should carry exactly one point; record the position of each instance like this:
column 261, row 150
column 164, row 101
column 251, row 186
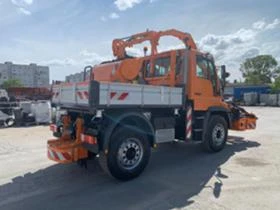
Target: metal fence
column 253, row 99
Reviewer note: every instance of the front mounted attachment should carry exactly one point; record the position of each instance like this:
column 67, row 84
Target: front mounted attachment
column 241, row 119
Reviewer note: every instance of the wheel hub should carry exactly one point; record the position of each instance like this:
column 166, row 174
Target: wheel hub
column 130, row 153
column 218, row 134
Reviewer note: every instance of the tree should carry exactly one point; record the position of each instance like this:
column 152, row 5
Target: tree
column 276, row 85
column 11, row 83
column 260, row 69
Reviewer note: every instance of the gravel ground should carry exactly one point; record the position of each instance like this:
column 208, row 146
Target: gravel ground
column 245, row 175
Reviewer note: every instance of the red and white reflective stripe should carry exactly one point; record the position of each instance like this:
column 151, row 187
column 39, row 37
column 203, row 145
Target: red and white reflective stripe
column 62, row 156
column 88, row 139
column 119, row 95
column 189, row 123
column 251, row 126
column 53, row 128
column 82, row 94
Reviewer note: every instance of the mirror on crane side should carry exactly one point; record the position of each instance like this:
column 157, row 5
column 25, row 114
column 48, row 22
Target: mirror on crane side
column 87, row 72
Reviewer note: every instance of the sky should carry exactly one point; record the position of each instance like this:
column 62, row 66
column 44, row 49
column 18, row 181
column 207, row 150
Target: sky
column 67, row 35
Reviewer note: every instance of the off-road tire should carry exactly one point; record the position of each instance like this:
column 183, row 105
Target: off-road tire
column 217, row 125
column 110, row 162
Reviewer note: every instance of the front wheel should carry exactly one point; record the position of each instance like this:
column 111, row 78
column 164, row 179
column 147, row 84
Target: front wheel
column 216, row 134
column 128, row 153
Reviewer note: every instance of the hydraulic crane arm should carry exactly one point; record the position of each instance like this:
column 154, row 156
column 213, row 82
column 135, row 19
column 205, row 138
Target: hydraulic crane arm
column 119, row 45
column 186, row 38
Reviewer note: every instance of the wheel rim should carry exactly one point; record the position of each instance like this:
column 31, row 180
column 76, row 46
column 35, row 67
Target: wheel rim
column 218, row 134
column 130, row 153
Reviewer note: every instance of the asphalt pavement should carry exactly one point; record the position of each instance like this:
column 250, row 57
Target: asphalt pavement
column 245, row 175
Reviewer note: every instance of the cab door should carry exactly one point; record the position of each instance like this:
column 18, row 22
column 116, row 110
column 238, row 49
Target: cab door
column 205, row 88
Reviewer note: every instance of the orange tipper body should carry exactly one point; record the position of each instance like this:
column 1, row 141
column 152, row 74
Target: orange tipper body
column 166, row 95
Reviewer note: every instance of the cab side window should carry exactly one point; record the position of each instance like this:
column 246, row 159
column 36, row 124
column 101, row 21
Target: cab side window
column 161, row 66
column 201, row 67
column 212, row 74
column 206, row 69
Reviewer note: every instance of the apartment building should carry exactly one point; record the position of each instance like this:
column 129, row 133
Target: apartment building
column 31, row 75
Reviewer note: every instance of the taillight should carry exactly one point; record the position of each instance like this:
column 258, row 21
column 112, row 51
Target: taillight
column 88, row 139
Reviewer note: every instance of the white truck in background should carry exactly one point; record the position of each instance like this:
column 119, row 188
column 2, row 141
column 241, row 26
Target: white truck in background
column 3, row 95
column 7, row 118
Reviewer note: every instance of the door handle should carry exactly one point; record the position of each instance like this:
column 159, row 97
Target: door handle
column 198, row 94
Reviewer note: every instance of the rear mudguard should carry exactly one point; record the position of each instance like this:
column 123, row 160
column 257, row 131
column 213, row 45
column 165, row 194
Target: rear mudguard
column 116, row 118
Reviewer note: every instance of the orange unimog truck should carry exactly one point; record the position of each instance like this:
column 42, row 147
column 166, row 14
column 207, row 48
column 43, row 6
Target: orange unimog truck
column 131, row 104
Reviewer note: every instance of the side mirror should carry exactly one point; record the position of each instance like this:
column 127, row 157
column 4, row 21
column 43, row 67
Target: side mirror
column 224, row 75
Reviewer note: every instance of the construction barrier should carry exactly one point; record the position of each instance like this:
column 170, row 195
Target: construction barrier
column 250, row 99
column 270, row 99
column 263, row 99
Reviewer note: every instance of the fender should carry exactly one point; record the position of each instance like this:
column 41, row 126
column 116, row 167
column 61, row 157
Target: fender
column 119, row 117
column 219, row 110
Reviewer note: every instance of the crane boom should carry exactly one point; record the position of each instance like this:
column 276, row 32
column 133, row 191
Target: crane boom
column 119, row 45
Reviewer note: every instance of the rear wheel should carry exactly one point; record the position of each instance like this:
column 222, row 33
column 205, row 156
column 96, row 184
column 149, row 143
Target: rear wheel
column 128, row 154
column 216, row 134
